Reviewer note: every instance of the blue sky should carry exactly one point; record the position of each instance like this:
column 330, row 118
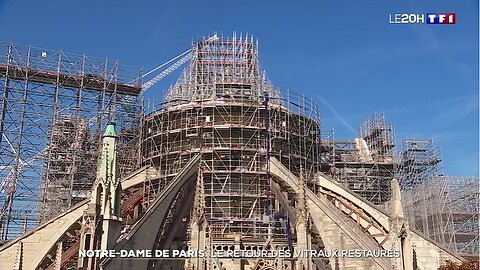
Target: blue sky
column 344, row 54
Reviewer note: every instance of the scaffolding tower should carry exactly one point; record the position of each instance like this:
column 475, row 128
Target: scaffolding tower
column 69, row 169
column 366, row 164
column 443, row 208
column 379, row 136
column 420, row 163
column 464, row 197
column 224, row 108
column 447, row 210
column 53, row 108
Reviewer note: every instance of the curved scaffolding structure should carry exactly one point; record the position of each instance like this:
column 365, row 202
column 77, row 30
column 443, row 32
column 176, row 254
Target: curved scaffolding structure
column 224, row 108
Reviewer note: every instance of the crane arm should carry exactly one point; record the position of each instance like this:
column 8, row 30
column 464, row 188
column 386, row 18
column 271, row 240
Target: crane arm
column 166, row 63
column 166, row 72
column 182, row 59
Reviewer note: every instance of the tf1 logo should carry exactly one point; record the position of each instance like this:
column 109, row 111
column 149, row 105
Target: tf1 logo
column 429, row 18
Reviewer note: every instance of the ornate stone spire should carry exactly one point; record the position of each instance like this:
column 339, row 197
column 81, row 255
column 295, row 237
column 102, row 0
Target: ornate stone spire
column 101, row 223
column 302, row 202
column 199, row 200
column 399, row 231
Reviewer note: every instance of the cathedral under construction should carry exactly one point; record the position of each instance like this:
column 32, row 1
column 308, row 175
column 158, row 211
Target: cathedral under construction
column 224, row 162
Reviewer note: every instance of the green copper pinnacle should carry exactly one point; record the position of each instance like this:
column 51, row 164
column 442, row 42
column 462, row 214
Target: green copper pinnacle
column 110, row 131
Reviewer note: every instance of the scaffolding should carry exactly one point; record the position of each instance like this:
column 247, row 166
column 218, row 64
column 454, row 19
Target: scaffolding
column 420, row 163
column 447, row 210
column 69, row 167
column 443, row 208
column 224, row 108
column 366, row 164
column 53, row 109
column 464, row 196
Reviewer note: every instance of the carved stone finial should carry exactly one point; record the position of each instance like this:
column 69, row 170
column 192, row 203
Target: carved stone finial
column 396, row 207
column 199, row 199
column 302, row 202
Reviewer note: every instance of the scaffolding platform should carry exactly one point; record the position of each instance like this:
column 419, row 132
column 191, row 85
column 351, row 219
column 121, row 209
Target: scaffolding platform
column 88, row 81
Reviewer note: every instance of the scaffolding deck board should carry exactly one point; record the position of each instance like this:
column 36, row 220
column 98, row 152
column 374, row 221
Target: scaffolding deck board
column 66, row 80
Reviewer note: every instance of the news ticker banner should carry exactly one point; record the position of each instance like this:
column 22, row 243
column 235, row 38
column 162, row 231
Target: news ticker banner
column 239, row 254
column 429, row 18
